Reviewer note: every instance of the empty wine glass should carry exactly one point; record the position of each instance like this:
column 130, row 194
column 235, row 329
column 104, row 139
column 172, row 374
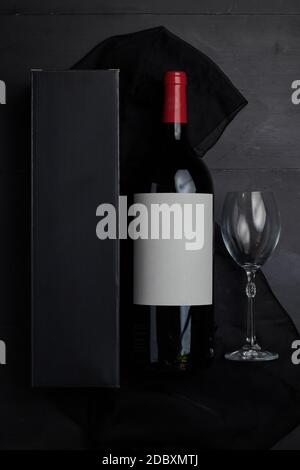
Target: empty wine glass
column 250, row 230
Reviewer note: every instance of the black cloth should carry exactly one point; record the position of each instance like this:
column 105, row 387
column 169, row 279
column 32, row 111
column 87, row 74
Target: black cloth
column 212, row 102
column 142, row 58
column 229, row 405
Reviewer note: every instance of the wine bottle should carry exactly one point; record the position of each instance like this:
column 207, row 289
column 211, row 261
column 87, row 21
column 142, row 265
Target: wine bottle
column 173, row 256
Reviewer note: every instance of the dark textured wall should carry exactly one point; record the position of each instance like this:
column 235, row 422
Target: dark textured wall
column 256, row 43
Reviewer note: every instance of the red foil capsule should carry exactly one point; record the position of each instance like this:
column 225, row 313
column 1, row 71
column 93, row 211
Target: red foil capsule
column 175, row 97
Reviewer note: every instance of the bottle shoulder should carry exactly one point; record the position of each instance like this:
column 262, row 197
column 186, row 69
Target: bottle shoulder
column 179, row 169
column 201, row 172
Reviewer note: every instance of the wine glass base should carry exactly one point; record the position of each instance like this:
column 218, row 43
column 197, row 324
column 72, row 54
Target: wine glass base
column 251, row 354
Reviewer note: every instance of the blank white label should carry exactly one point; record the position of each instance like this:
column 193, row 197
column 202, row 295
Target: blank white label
column 165, row 271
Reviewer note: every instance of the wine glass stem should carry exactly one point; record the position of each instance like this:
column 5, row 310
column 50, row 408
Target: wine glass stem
column 251, row 292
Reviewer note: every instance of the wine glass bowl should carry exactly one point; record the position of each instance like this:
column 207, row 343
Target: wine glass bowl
column 250, row 227
column 250, row 230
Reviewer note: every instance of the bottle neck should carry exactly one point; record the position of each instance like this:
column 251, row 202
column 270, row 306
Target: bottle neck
column 175, row 131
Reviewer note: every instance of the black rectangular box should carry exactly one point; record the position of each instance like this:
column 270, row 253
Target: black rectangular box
column 75, row 293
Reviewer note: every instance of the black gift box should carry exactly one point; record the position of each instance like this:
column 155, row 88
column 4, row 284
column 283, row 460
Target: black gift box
column 75, row 293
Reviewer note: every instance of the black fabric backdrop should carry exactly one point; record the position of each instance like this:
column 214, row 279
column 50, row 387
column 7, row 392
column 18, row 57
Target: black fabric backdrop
column 212, row 101
column 229, row 405
column 142, row 58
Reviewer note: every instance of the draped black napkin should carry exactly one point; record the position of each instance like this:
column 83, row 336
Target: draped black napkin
column 142, row 58
column 212, row 100
column 228, row 405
